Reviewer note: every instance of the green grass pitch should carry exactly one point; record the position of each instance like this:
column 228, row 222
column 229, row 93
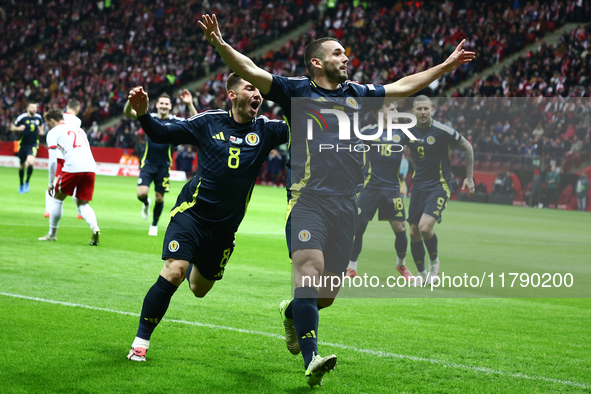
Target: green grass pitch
column 69, row 311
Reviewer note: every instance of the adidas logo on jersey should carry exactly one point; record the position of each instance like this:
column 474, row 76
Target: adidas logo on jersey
column 219, row 136
column 436, row 213
column 399, row 215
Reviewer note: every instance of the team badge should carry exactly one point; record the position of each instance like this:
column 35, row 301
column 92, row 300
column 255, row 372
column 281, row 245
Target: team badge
column 252, row 139
column 174, row 246
column 236, row 140
column 430, row 140
column 351, row 102
column 396, row 138
column 139, row 181
column 304, row 236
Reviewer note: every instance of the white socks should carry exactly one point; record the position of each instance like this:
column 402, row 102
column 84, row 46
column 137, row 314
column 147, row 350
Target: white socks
column 139, row 342
column 88, row 214
column 55, row 214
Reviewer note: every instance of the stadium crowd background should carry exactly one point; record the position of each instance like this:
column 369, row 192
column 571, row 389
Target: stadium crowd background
column 97, row 51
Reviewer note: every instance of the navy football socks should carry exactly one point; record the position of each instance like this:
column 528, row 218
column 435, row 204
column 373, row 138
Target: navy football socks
column 431, row 245
column 418, row 253
column 305, row 320
column 155, row 305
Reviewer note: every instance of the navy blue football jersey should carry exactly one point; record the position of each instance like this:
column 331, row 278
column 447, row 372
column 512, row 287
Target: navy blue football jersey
column 383, row 159
column 30, row 135
column 335, row 171
column 159, row 154
column 230, row 158
column 430, row 155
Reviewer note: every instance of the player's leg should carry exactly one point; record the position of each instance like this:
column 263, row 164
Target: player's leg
column 417, row 249
column 436, row 203
column 55, row 215
column 85, row 190
column 209, row 263
column 357, row 245
column 21, row 172
column 401, row 246
column 156, row 304
column 30, row 163
column 367, row 206
column 142, row 195
column 158, row 207
column 48, row 200
column 161, row 186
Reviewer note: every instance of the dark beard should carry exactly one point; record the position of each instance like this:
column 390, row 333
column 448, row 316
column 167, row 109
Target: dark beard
column 334, row 75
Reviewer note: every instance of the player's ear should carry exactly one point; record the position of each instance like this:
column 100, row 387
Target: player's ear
column 231, row 95
column 316, row 63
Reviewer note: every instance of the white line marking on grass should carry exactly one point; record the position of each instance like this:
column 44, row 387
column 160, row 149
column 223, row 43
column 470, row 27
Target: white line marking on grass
column 378, row 353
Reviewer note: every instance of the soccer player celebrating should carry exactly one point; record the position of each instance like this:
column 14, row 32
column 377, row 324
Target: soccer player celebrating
column 155, row 164
column 77, row 174
column 73, row 121
column 382, row 189
column 199, row 240
column 323, row 207
column 30, row 126
column 430, row 191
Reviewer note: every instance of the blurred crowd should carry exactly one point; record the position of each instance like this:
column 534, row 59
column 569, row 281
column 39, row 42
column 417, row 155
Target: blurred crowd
column 96, row 51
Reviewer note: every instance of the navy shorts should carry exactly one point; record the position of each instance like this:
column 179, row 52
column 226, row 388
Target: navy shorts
column 160, row 175
column 209, row 250
column 389, row 203
column 26, row 150
column 431, row 203
column 326, row 223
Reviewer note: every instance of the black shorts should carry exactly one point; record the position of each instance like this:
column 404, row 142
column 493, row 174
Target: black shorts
column 208, row 250
column 388, row 201
column 326, row 223
column 431, row 202
column 160, row 175
column 26, row 150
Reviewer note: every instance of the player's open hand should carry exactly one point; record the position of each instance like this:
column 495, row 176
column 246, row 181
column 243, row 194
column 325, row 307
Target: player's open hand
column 139, row 100
column 469, row 183
column 186, row 97
column 458, row 57
column 209, row 25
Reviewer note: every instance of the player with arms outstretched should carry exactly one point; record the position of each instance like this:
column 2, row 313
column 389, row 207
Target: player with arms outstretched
column 323, row 207
column 199, row 240
column 157, row 159
column 30, row 126
column 77, row 174
column 382, row 190
column 430, row 191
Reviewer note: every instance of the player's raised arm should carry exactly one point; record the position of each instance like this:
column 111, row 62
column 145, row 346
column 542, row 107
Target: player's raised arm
column 187, row 98
column 237, row 62
column 416, row 82
column 128, row 111
column 469, row 151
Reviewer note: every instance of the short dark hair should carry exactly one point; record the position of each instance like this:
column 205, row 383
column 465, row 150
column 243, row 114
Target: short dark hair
column 164, row 95
column 32, row 102
column 314, row 51
column 54, row 113
column 422, row 97
column 73, row 103
column 232, row 80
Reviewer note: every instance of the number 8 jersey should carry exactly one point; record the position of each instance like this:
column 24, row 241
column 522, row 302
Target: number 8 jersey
column 74, row 146
column 230, row 158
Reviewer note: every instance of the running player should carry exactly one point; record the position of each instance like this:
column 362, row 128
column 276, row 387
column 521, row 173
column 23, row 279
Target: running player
column 77, row 174
column 323, row 206
column 430, row 191
column 30, row 126
column 157, row 159
column 73, row 121
column 382, row 190
column 199, row 240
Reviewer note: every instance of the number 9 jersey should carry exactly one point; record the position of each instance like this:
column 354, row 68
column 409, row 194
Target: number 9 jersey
column 74, row 146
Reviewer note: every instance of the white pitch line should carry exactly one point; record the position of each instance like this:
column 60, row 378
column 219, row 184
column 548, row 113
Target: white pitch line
column 378, row 353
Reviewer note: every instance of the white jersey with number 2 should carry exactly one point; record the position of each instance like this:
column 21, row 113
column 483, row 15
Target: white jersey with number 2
column 74, row 146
